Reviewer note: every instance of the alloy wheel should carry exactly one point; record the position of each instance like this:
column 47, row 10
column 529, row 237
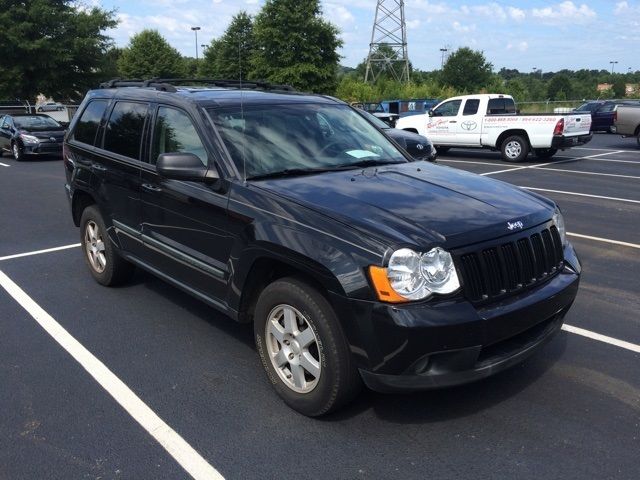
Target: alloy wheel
column 94, row 246
column 293, row 348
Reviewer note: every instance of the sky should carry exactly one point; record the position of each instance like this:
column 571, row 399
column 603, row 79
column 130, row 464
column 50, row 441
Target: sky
column 524, row 35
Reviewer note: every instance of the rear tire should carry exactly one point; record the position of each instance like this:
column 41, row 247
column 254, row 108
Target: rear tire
column 515, row 149
column 545, row 152
column 638, row 139
column 302, row 348
column 101, row 255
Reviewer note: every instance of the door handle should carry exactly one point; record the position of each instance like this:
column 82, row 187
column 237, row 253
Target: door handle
column 151, row 188
column 453, row 121
column 98, row 167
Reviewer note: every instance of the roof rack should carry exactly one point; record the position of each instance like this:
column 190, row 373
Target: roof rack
column 169, row 84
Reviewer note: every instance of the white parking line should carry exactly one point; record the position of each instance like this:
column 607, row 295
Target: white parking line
column 590, row 173
column 171, row 441
column 557, row 162
column 605, row 240
column 581, row 194
column 4, row 165
column 38, row 252
column 601, row 338
column 474, row 162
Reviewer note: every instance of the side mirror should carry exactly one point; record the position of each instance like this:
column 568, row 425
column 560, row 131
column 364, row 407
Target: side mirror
column 184, row 166
column 430, row 112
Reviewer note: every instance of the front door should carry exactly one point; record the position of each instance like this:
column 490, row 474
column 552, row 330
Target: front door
column 184, row 223
column 442, row 125
column 6, row 132
column 469, row 124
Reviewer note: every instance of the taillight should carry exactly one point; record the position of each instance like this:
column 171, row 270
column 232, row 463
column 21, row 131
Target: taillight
column 559, row 127
column 615, row 116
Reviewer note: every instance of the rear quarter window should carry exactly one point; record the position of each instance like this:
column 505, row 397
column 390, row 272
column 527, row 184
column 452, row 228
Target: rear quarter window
column 501, row 106
column 87, row 126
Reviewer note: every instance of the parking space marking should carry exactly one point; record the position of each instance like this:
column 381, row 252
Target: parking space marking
column 475, row 162
column 3, row 164
column 188, row 458
column 581, row 194
column 589, row 173
column 38, row 252
column 595, row 149
column 605, row 240
column 571, row 159
column 601, row 338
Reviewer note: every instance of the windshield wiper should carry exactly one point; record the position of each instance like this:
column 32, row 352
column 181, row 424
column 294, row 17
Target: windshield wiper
column 291, row 172
column 334, row 168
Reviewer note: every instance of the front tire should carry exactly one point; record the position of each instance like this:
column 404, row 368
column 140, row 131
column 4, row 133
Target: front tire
column 303, row 349
column 515, row 149
column 18, row 155
column 105, row 264
column 545, row 152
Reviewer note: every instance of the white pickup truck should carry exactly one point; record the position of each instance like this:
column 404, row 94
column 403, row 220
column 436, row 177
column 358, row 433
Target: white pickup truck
column 491, row 121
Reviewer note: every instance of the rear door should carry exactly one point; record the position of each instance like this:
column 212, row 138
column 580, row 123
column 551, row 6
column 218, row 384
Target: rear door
column 116, row 165
column 442, row 125
column 5, row 133
column 602, row 117
column 185, row 223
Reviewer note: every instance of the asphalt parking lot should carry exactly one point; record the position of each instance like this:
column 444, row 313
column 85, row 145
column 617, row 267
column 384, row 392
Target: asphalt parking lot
column 572, row 411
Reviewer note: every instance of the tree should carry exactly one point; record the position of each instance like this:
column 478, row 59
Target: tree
column 559, row 87
column 209, row 65
column 53, row 47
column 235, row 48
column 467, row 70
column 295, row 45
column 150, row 55
column 619, row 88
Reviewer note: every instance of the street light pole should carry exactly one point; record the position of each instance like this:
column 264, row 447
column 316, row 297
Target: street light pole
column 613, row 62
column 195, row 30
column 444, row 51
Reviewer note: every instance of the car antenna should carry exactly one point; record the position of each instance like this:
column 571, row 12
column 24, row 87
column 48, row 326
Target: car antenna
column 244, row 124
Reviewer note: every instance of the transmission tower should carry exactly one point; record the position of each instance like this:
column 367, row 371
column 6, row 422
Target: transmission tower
column 388, row 47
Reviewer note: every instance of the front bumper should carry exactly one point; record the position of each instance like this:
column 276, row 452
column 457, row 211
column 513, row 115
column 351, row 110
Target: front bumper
column 561, row 142
column 43, row 148
column 451, row 342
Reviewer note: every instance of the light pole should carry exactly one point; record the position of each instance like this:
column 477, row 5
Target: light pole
column 613, row 62
column 444, row 52
column 195, row 30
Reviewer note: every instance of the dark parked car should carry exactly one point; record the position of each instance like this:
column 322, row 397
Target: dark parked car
column 603, row 113
column 418, row 146
column 353, row 261
column 28, row 134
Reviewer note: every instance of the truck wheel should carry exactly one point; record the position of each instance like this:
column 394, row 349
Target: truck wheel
column 545, row 152
column 303, row 349
column 442, row 150
column 515, row 149
column 638, row 139
column 105, row 264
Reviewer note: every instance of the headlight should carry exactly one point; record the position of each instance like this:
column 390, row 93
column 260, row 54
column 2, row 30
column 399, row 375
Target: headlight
column 558, row 219
column 29, row 138
column 415, row 276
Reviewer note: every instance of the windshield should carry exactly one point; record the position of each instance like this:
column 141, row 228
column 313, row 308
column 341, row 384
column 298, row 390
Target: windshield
column 269, row 139
column 36, row 122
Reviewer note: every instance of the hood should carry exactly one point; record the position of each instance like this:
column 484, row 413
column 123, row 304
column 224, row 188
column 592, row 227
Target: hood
column 417, row 203
column 56, row 133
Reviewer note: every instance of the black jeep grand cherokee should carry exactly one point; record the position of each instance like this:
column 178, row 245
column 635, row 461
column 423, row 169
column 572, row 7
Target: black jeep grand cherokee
column 294, row 212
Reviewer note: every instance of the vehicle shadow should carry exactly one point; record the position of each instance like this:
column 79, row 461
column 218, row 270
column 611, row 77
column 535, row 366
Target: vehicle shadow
column 441, row 405
column 239, row 331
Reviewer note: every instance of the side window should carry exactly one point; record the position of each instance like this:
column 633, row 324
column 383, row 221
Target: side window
column 89, row 121
column 174, row 132
column 471, row 107
column 124, row 129
column 448, row 109
column 606, row 108
column 7, row 122
column 501, row 106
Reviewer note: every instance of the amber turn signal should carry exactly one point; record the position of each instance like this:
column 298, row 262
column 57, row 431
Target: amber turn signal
column 383, row 287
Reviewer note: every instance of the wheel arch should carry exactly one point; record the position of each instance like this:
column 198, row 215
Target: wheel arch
column 79, row 202
column 508, row 133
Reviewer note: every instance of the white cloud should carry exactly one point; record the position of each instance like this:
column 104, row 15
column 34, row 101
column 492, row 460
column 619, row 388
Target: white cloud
column 516, row 14
column 458, row 27
column 520, row 46
column 564, row 13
